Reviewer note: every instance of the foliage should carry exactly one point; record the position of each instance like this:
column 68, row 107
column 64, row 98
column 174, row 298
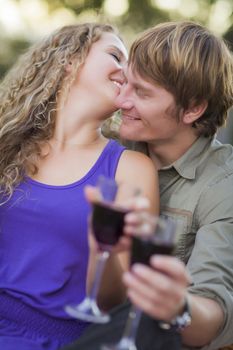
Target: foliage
column 140, row 15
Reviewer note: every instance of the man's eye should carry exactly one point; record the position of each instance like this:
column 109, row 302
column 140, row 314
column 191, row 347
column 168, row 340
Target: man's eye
column 117, row 58
column 139, row 91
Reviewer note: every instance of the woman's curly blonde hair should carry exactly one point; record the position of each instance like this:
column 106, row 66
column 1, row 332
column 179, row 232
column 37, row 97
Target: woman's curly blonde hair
column 29, row 95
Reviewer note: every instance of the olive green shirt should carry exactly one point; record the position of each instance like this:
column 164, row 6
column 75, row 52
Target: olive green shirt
column 197, row 190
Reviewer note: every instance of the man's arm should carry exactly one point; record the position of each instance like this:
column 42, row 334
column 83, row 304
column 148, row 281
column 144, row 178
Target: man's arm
column 161, row 290
column 207, row 319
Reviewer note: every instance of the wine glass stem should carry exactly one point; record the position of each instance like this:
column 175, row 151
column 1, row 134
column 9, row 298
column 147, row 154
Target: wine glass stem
column 132, row 323
column 101, row 260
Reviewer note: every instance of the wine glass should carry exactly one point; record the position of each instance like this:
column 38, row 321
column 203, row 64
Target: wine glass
column 157, row 236
column 107, row 226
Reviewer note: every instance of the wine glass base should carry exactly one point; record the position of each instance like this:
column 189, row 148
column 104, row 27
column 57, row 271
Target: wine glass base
column 123, row 344
column 88, row 311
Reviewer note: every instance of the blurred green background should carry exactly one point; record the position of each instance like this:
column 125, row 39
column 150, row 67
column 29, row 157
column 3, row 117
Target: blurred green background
column 24, row 21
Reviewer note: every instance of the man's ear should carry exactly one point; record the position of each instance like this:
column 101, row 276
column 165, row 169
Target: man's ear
column 194, row 112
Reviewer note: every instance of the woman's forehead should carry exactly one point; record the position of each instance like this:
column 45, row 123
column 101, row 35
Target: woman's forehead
column 112, row 40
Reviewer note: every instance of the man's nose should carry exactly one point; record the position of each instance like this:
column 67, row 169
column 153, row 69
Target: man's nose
column 123, row 100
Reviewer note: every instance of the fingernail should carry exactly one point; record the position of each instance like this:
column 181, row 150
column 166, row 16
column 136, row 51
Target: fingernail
column 155, row 259
column 142, row 203
column 137, row 268
column 127, row 277
column 130, row 216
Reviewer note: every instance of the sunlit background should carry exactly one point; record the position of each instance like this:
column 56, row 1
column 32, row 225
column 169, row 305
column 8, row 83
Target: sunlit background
column 24, row 21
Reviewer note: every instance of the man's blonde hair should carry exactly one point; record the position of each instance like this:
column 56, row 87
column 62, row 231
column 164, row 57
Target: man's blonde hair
column 191, row 63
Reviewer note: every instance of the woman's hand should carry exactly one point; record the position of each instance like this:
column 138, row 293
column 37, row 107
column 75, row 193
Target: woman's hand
column 133, row 221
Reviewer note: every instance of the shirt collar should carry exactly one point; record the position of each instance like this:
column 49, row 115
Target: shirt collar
column 187, row 164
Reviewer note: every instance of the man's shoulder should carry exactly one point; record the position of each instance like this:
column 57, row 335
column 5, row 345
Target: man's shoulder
column 214, row 179
column 216, row 162
column 223, row 154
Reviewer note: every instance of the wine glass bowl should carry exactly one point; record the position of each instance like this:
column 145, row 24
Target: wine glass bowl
column 157, row 236
column 107, row 224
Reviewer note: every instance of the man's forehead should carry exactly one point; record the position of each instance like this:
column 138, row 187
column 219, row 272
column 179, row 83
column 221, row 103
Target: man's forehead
column 131, row 73
column 135, row 78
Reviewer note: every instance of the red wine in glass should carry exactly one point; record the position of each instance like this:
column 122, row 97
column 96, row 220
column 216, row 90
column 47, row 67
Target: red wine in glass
column 143, row 249
column 107, row 224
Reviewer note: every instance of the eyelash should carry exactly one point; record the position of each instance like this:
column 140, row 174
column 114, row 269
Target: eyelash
column 139, row 91
column 117, row 58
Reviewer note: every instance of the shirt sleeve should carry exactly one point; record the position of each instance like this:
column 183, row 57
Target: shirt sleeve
column 211, row 261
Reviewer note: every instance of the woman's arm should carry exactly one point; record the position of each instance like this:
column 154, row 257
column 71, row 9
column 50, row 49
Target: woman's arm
column 138, row 171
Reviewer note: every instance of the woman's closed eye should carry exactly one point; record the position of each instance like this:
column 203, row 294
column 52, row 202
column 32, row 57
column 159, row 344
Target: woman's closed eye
column 116, row 56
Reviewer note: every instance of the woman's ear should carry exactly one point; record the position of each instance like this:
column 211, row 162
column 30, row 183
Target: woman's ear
column 69, row 67
column 194, row 112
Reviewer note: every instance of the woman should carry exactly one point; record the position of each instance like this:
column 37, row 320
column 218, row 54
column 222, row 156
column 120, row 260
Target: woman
column 52, row 105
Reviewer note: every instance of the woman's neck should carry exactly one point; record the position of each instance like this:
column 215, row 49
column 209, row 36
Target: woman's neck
column 74, row 127
column 77, row 122
column 84, row 137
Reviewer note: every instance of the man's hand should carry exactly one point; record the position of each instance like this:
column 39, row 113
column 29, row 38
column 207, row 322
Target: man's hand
column 159, row 290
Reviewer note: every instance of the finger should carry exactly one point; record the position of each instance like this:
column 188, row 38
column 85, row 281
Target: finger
column 136, row 203
column 125, row 241
column 171, row 266
column 150, row 301
column 141, row 203
column 122, row 245
column 154, row 308
column 139, row 285
column 92, row 194
column 131, row 223
column 154, row 291
column 143, row 303
column 140, row 223
column 155, row 284
column 150, row 282
column 139, row 218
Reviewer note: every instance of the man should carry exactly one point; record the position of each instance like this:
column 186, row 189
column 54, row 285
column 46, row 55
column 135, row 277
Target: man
column 179, row 89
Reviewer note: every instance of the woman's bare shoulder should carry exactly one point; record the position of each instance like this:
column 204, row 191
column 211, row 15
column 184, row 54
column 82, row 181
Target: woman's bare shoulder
column 139, row 170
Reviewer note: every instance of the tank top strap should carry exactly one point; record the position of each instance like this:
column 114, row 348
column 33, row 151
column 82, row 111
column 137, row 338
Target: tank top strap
column 109, row 159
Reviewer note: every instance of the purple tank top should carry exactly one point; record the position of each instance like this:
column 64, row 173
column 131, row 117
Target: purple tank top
column 43, row 239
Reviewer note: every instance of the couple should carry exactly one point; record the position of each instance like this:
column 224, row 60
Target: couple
column 174, row 94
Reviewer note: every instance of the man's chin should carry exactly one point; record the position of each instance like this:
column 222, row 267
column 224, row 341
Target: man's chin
column 127, row 134
column 129, row 137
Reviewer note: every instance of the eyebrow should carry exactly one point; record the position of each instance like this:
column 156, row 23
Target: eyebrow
column 117, row 49
column 141, row 87
column 138, row 85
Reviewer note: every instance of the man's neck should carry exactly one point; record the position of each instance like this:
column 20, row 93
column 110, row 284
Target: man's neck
column 165, row 153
